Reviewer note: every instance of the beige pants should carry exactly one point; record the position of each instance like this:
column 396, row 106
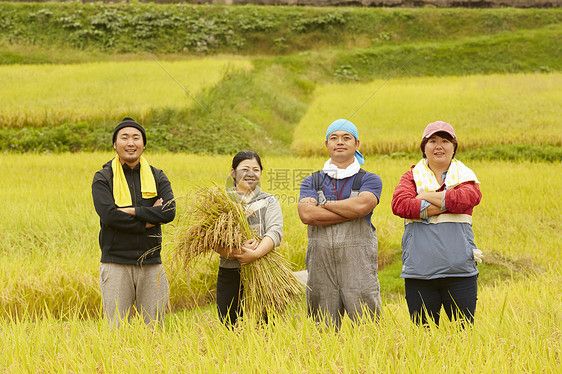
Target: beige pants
column 122, row 285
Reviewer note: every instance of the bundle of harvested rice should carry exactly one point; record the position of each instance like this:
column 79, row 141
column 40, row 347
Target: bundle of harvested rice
column 216, row 219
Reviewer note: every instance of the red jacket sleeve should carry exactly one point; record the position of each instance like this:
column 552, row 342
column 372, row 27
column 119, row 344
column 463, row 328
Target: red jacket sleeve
column 463, row 198
column 404, row 202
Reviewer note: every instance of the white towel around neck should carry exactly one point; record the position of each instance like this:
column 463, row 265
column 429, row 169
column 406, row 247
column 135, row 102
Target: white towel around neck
column 336, row 173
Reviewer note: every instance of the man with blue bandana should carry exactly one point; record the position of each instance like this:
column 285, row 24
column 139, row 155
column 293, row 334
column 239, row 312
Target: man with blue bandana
column 337, row 204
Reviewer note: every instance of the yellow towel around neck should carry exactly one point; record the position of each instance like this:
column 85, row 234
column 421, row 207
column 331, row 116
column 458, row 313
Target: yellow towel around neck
column 121, row 192
column 426, row 182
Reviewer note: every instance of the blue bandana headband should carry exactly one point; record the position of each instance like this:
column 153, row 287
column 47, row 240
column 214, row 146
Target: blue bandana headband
column 345, row 125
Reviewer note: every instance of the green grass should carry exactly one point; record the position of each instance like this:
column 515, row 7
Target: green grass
column 506, row 52
column 182, row 28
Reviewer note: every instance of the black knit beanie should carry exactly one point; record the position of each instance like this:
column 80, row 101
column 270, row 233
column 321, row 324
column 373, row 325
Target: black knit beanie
column 129, row 122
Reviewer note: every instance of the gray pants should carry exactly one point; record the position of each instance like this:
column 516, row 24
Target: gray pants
column 122, row 285
column 342, row 272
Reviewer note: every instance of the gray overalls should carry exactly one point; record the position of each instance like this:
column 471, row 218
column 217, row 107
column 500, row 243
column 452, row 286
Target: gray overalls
column 342, row 267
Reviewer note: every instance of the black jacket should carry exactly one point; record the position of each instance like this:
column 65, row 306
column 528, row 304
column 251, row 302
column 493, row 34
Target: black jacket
column 124, row 238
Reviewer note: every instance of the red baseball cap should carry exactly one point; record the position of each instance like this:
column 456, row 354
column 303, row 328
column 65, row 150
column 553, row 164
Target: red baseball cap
column 438, row 126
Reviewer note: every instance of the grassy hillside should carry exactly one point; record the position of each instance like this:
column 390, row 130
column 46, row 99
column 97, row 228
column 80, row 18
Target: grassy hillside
column 293, row 51
column 180, row 28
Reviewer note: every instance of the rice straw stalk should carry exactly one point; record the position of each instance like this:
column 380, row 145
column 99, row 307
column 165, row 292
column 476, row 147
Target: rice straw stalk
column 216, row 219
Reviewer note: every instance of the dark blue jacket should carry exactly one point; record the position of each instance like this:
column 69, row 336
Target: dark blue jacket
column 123, row 238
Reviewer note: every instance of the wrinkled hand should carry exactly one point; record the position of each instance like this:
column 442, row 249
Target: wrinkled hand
column 247, row 252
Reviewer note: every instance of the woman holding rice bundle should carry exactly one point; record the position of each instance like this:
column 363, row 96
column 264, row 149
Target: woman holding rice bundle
column 436, row 199
column 265, row 218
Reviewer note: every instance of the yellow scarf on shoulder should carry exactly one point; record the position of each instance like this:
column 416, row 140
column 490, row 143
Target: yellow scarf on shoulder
column 458, row 173
column 121, row 192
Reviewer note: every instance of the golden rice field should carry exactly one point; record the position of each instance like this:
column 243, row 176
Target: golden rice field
column 50, row 304
column 50, row 301
column 517, row 331
column 43, row 95
column 485, row 110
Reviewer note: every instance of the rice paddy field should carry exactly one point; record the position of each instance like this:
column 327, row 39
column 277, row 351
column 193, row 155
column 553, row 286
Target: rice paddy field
column 485, row 110
column 50, row 301
column 43, row 95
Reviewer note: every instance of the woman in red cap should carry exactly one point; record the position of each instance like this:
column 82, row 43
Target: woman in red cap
column 436, row 198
